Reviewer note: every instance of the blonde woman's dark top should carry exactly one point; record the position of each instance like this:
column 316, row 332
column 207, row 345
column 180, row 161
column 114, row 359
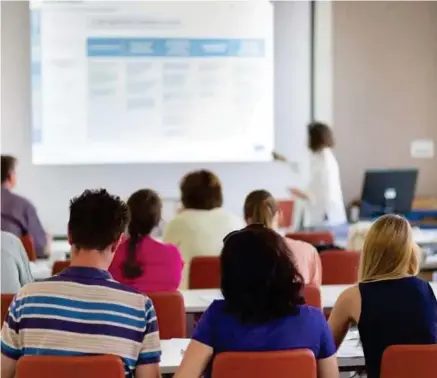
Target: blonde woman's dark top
column 395, row 312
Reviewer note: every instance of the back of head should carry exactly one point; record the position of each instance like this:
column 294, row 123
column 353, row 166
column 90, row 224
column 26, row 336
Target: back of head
column 260, row 207
column 145, row 209
column 97, row 220
column 7, row 167
column 389, row 251
column 258, row 280
column 320, row 136
column 201, row 190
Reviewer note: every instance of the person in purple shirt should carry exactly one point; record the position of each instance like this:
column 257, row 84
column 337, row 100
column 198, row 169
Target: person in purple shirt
column 262, row 310
column 19, row 216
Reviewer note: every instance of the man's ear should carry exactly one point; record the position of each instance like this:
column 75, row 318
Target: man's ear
column 70, row 241
column 116, row 244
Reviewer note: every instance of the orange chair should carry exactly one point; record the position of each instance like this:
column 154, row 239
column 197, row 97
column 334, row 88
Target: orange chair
column 312, row 296
column 69, row 367
column 6, row 302
column 408, row 361
column 59, row 266
column 285, row 364
column 340, row 267
column 170, row 311
column 29, row 246
column 314, row 238
column 286, row 208
column 204, row 273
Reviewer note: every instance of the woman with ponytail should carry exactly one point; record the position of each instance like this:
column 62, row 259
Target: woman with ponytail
column 141, row 261
column 260, row 207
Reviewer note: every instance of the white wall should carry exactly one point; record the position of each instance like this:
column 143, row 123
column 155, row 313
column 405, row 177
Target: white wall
column 50, row 188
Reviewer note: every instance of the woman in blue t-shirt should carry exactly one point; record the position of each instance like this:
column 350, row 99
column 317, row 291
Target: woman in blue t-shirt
column 262, row 309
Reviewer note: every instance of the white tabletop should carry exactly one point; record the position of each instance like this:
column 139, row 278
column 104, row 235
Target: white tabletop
column 349, row 355
column 197, row 301
column 59, row 247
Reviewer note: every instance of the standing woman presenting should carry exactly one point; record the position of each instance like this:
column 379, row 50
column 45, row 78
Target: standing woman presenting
column 323, row 196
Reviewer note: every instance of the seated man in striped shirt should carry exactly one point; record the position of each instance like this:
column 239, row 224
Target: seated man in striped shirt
column 83, row 311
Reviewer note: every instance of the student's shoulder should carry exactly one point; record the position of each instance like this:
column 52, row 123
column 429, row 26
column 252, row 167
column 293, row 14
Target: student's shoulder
column 311, row 312
column 10, row 243
column 216, row 309
column 167, row 248
column 179, row 220
column 22, row 201
column 301, row 246
column 349, row 298
column 235, row 222
column 421, row 285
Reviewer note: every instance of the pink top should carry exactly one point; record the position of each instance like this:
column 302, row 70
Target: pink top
column 307, row 260
column 162, row 266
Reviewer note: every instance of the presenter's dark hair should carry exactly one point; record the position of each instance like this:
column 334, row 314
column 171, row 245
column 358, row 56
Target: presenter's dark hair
column 7, row 166
column 97, row 219
column 259, row 281
column 320, row 136
column 201, row 190
column 145, row 208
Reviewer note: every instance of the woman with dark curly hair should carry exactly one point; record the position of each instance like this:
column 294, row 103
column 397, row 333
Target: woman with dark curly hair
column 262, row 310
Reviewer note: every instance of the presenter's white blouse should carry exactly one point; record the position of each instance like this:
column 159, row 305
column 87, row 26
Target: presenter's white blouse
column 325, row 205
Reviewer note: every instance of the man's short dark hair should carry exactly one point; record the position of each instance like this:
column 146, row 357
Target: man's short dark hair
column 201, row 190
column 97, row 219
column 320, row 136
column 7, row 166
column 259, row 281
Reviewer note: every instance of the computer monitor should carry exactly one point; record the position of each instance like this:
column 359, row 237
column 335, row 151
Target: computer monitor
column 388, row 191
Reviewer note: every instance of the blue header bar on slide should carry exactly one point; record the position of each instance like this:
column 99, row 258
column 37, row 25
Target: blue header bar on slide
column 175, row 47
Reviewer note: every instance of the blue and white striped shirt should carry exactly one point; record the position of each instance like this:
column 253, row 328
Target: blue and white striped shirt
column 82, row 311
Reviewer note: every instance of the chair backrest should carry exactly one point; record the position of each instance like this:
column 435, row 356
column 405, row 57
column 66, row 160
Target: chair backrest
column 340, row 267
column 314, row 238
column 6, row 302
column 312, row 296
column 409, row 361
column 29, row 246
column 204, row 272
column 59, row 266
column 69, row 367
column 286, row 217
column 170, row 311
column 285, row 364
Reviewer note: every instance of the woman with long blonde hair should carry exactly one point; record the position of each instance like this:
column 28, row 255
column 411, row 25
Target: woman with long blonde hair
column 390, row 304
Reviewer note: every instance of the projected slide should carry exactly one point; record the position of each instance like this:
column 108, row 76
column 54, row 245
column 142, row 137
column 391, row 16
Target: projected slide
column 152, row 82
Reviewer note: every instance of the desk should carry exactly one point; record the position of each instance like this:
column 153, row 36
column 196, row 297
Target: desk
column 350, row 354
column 197, row 301
column 41, row 269
column 59, row 248
column 357, row 232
